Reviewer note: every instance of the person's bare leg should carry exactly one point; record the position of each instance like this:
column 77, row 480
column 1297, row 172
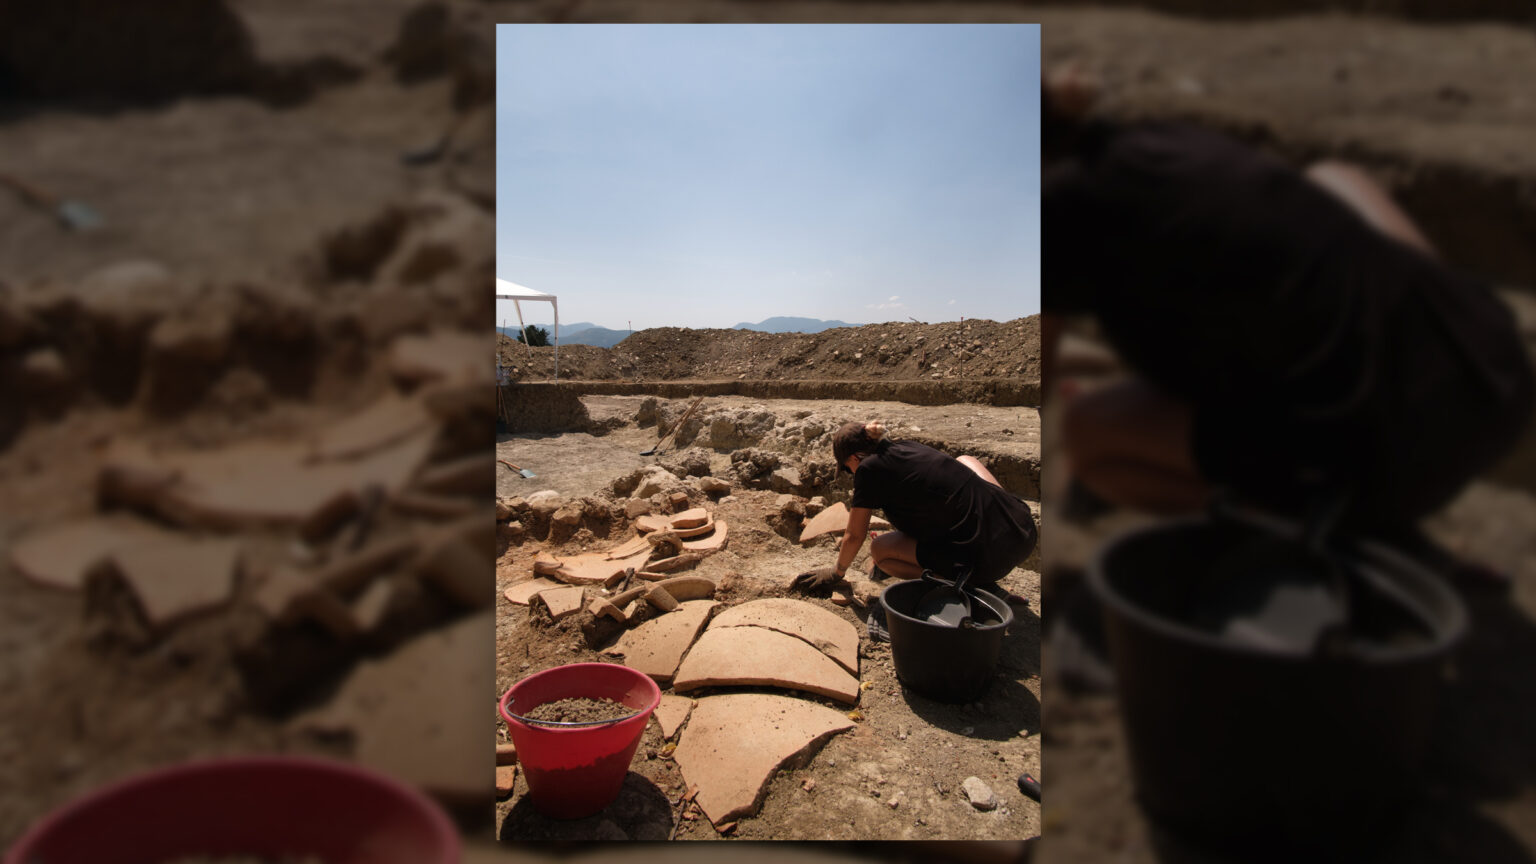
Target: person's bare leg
column 975, row 465
column 896, row 554
column 1130, row 444
column 1366, row 197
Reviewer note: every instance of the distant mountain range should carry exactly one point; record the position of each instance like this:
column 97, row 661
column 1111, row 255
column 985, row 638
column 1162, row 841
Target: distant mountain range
column 577, row 333
column 781, row 324
column 587, row 333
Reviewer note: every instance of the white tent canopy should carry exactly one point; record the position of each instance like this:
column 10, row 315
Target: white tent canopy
column 518, row 294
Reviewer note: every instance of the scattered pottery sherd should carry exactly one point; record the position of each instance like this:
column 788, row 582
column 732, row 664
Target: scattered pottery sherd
column 383, row 423
column 381, row 704
column 62, row 555
column 522, row 592
column 671, row 713
column 175, row 577
column 735, row 743
column 657, row 646
column 690, row 518
column 648, row 523
column 833, row 520
column 713, row 543
column 561, row 601
column 757, row 656
column 820, row 628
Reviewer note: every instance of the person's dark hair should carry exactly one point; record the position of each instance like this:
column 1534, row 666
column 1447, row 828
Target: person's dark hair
column 858, row 438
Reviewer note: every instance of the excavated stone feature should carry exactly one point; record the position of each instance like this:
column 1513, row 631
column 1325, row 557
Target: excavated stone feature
column 63, row 554
column 818, row 627
column 657, row 646
column 381, row 702
column 833, row 520
column 735, row 743
column 174, row 577
column 671, row 713
column 713, row 543
column 759, row 657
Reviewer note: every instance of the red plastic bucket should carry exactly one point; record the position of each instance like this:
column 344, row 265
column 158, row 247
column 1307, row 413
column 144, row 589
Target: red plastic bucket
column 267, row 806
column 576, row 771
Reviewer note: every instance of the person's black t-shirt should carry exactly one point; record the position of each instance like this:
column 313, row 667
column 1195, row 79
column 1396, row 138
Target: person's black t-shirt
column 955, row 516
column 1313, row 348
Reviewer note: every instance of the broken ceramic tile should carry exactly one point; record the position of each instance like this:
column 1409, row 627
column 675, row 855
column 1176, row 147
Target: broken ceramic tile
column 385, row 422
column 735, row 743
column 833, row 520
column 523, row 591
column 757, row 656
column 648, row 523
column 818, row 627
column 441, row 357
column 561, row 602
column 265, row 483
column 174, row 577
column 713, row 543
column 657, row 646
column 506, row 780
column 381, row 703
column 671, row 713
column 690, row 518
column 61, row 555
column 628, row 548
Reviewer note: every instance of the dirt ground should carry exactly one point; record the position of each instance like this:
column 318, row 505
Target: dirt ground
column 906, row 749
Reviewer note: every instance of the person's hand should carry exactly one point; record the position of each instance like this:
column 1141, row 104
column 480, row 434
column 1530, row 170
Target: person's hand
column 820, row 579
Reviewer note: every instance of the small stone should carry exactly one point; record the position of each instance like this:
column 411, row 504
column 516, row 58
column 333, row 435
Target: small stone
column 678, row 500
column 815, row 505
column 979, row 794
column 714, row 486
column 570, row 514
column 503, row 510
column 636, row 507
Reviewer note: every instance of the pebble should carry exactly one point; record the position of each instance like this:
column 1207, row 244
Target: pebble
column 979, row 793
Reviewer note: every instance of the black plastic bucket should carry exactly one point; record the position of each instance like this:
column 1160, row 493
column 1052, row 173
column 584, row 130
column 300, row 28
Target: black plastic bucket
column 1239, row 746
column 943, row 662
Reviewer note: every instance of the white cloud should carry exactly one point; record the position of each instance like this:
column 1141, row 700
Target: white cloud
column 951, row 302
column 894, row 298
column 884, row 306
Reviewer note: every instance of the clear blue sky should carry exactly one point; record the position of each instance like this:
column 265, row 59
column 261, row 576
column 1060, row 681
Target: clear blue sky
column 703, row 175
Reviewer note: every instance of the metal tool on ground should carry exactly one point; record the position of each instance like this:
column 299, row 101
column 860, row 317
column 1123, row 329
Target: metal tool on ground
column 675, row 426
column 523, row 471
column 75, row 215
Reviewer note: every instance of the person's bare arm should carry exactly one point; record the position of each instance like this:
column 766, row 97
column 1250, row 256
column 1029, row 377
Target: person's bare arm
column 853, row 539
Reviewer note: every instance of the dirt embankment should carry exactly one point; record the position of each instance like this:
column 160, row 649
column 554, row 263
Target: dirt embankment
column 893, row 351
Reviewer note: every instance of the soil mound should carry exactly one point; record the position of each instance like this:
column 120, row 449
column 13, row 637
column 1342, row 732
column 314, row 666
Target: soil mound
column 895, row 351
